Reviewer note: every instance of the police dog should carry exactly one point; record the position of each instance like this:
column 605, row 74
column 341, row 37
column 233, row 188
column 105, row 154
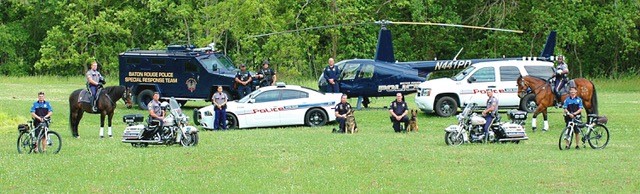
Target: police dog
column 350, row 123
column 413, row 122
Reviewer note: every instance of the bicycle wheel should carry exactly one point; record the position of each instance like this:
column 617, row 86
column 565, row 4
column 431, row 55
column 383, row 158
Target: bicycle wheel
column 52, row 145
column 598, row 137
column 24, row 143
column 565, row 135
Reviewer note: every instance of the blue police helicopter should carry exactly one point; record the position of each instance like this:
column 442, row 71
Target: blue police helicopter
column 384, row 76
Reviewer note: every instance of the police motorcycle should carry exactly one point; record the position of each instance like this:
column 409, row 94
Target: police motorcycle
column 470, row 128
column 175, row 128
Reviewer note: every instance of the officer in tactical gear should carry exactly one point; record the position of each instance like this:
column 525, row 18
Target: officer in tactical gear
column 94, row 82
column 243, row 81
column 266, row 75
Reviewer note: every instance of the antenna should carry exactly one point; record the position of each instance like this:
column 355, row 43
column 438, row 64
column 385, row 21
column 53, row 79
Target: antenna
column 456, row 57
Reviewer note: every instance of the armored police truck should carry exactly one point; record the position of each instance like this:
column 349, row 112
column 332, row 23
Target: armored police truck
column 183, row 72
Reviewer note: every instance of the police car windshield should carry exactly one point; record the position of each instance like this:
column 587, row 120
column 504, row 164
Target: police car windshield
column 250, row 96
column 219, row 62
column 462, row 73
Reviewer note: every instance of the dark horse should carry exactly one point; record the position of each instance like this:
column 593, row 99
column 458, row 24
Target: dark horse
column 106, row 105
column 545, row 97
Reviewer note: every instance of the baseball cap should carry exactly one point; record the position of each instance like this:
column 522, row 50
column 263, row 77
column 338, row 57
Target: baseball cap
column 242, row 65
column 265, row 62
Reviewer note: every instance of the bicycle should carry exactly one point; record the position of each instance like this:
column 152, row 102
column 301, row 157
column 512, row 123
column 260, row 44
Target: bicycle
column 30, row 142
column 597, row 134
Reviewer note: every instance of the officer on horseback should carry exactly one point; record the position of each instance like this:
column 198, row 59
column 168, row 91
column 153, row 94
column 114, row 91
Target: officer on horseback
column 560, row 78
column 94, row 83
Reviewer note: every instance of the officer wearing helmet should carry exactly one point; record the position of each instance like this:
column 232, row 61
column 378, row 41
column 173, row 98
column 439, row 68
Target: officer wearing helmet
column 560, row 78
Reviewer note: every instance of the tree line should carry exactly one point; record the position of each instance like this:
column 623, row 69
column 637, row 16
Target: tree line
column 61, row 37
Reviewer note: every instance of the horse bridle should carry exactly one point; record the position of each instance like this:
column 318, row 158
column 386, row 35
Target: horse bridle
column 529, row 87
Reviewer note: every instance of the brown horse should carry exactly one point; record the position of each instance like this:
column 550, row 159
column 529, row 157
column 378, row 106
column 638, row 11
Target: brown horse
column 545, row 97
column 106, row 105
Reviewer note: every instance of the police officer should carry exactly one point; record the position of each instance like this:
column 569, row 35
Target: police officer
column 40, row 110
column 266, row 75
column 243, row 81
column 94, row 81
column 331, row 74
column 399, row 111
column 219, row 100
column 572, row 109
column 156, row 114
column 342, row 109
column 490, row 112
column 560, row 78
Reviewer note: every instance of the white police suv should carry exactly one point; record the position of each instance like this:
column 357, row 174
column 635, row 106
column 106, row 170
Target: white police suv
column 276, row 106
column 445, row 95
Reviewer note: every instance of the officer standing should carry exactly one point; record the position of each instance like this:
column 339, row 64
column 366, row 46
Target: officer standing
column 399, row 111
column 342, row 109
column 94, row 81
column 266, row 75
column 219, row 99
column 331, row 74
column 40, row 110
column 243, row 81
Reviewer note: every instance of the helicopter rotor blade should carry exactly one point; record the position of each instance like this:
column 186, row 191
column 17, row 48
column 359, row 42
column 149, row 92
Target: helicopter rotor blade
column 310, row 28
column 456, row 25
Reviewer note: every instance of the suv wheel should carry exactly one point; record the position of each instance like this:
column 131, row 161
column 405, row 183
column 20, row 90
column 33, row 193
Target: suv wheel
column 446, row 106
column 528, row 103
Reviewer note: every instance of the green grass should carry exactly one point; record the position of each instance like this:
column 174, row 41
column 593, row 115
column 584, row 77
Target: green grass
column 313, row 160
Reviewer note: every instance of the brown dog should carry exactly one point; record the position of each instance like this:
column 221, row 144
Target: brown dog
column 350, row 123
column 413, row 122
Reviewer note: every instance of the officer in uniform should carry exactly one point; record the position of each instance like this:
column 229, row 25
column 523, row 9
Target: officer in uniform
column 560, row 78
column 243, row 81
column 490, row 112
column 266, row 75
column 219, row 99
column 94, row 82
column 572, row 109
column 156, row 114
column 399, row 111
column 331, row 74
column 342, row 109
column 40, row 110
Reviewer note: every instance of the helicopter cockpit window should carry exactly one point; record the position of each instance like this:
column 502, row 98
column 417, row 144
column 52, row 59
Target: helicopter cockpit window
column 486, row 74
column 366, row 71
column 349, row 71
column 463, row 73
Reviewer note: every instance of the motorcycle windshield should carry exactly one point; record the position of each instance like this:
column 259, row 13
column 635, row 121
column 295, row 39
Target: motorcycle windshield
column 173, row 104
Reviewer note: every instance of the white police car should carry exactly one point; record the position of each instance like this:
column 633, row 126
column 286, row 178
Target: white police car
column 445, row 95
column 276, row 106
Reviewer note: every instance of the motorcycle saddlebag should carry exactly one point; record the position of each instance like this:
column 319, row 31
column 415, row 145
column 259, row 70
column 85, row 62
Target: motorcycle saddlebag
column 512, row 130
column 133, row 132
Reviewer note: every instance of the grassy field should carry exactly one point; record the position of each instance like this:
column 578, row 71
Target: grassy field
column 313, row 160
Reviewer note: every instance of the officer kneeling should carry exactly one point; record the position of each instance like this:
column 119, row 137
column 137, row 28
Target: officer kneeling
column 342, row 109
column 399, row 111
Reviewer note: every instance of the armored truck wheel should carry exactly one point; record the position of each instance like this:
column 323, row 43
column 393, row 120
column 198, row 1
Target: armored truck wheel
column 144, row 98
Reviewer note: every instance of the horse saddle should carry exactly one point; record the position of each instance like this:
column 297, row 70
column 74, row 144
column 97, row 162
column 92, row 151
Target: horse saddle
column 86, row 97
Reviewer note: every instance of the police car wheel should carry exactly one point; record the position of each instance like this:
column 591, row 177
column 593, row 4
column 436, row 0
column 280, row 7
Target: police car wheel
column 315, row 117
column 144, row 98
column 232, row 121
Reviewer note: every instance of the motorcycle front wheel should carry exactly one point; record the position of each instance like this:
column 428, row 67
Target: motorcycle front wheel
column 189, row 140
column 453, row 138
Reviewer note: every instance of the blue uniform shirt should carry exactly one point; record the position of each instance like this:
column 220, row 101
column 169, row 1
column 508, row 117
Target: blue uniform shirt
column 331, row 73
column 41, row 108
column 572, row 104
column 343, row 108
column 398, row 107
